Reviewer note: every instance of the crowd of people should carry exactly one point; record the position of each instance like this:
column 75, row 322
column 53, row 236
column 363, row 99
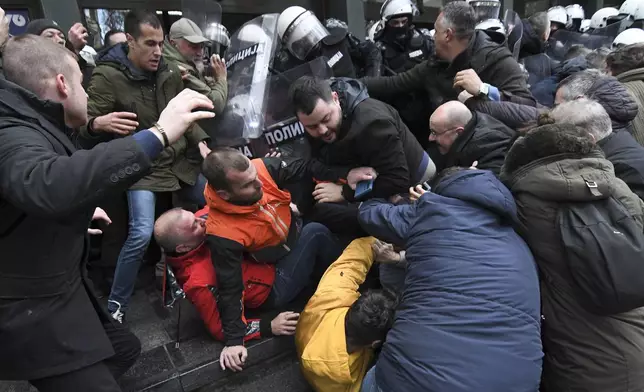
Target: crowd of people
column 467, row 216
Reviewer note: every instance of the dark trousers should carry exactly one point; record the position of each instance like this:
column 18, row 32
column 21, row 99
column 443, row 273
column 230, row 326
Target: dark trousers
column 99, row 377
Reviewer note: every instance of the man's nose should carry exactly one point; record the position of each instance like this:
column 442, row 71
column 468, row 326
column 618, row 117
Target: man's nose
column 323, row 130
column 200, row 52
column 432, row 137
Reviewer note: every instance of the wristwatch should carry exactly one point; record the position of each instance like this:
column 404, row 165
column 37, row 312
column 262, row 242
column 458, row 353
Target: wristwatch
column 484, row 89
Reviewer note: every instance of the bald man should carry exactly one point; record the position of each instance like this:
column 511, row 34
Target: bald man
column 465, row 137
column 182, row 236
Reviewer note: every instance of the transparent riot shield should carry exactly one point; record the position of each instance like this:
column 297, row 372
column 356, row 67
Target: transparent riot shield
column 249, row 61
column 281, row 129
column 207, row 15
column 561, row 43
column 203, row 12
column 538, row 68
column 605, row 36
column 514, row 31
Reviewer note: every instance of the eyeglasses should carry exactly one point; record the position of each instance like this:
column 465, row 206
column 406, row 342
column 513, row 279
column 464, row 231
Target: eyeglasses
column 436, row 134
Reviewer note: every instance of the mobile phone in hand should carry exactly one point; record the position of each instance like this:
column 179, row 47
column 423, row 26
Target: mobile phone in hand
column 363, row 188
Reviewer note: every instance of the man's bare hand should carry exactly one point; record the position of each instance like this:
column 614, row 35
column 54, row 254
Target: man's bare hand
column 119, row 123
column 416, row 192
column 360, row 174
column 384, row 253
column 273, row 153
column 218, row 67
column 99, row 215
column 285, row 323
column 77, row 36
column 328, row 192
column 233, row 358
column 185, row 74
column 469, row 81
column 181, row 112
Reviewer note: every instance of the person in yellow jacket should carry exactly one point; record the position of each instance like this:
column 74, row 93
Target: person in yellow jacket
column 339, row 328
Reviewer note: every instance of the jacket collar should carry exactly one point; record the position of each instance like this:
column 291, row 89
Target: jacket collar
column 21, row 104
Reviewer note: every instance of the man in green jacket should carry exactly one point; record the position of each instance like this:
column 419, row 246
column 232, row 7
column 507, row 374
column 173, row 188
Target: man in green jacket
column 130, row 87
column 185, row 49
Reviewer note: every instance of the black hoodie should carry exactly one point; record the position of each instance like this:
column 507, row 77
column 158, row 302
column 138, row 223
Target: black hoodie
column 372, row 134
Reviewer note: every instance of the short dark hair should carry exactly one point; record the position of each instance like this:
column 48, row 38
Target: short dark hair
column 217, row 164
column 31, row 60
column 460, row 17
column 626, row 58
column 134, row 20
column 540, row 23
column 370, row 317
column 306, row 91
column 109, row 34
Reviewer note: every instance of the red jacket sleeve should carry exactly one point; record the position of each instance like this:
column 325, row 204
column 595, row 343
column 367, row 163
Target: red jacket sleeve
column 204, row 300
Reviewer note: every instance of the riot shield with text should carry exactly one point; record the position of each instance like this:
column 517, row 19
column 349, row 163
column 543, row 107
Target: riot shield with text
column 514, row 32
column 281, row 129
column 249, row 59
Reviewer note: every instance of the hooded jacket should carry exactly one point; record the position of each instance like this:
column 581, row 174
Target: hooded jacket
column 484, row 139
column 216, row 91
column 492, row 62
column 321, row 338
column 633, row 80
column 50, row 322
column 372, row 134
column 118, row 86
column 265, row 231
column 469, row 316
column 584, row 351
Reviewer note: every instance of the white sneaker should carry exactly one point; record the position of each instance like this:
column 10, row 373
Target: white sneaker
column 117, row 314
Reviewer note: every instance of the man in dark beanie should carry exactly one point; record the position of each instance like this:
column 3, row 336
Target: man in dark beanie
column 75, row 40
column 47, row 28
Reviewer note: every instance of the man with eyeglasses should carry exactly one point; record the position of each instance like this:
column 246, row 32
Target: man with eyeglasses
column 464, row 137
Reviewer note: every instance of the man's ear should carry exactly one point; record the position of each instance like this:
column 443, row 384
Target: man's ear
column 225, row 195
column 61, row 86
column 459, row 130
column 335, row 97
column 592, row 137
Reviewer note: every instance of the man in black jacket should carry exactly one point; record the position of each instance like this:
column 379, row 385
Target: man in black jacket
column 348, row 128
column 54, row 331
column 465, row 137
column 465, row 60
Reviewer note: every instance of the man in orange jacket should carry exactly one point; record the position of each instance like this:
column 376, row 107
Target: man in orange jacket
column 182, row 236
column 250, row 215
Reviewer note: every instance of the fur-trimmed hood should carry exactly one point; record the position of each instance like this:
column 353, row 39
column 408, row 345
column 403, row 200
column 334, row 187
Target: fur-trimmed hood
column 555, row 162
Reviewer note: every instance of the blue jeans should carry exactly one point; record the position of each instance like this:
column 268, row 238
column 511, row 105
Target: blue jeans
column 369, row 382
column 194, row 194
column 141, row 207
column 316, row 247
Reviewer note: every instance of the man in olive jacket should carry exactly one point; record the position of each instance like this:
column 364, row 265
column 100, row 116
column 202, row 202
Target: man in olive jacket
column 184, row 48
column 466, row 64
column 130, row 86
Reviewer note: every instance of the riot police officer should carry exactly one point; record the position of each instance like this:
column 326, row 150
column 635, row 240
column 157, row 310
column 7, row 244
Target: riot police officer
column 305, row 38
column 403, row 47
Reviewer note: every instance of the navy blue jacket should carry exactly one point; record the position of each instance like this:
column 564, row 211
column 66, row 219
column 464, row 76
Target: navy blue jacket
column 469, row 317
